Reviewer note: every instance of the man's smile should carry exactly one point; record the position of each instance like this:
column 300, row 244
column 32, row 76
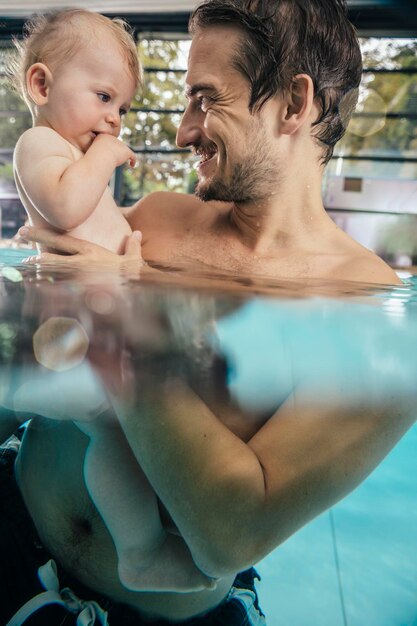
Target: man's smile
column 207, row 154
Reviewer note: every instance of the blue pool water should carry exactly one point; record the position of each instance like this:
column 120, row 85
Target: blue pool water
column 355, row 565
column 14, row 256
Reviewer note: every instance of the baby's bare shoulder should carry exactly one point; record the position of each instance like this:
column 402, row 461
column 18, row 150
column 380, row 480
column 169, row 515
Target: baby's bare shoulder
column 40, row 142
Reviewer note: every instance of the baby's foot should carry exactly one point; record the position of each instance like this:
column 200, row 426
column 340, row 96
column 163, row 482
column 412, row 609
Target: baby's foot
column 156, row 577
column 132, row 570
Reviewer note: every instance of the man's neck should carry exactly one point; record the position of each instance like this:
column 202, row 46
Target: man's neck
column 287, row 219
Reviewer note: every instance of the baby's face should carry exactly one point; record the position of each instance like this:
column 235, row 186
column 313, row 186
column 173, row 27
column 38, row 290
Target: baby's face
column 90, row 94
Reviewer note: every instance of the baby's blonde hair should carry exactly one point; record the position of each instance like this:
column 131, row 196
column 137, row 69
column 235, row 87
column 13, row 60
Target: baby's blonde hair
column 54, row 38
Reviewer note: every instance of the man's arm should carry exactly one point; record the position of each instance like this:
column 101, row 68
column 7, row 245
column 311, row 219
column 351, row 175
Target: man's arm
column 234, row 502
column 65, row 192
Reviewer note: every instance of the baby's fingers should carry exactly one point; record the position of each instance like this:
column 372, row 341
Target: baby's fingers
column 132, row 159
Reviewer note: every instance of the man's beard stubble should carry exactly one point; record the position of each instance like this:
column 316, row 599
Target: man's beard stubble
column 253, row 178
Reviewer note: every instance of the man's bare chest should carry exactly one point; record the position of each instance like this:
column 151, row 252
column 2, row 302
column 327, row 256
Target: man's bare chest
column 213, row 252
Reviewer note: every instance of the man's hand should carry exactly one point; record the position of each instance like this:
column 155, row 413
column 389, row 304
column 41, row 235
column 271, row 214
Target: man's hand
column 121, row 152
column 73, row 252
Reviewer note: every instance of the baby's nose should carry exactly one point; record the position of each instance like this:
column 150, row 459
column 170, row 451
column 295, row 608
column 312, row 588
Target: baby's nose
column 113, row 118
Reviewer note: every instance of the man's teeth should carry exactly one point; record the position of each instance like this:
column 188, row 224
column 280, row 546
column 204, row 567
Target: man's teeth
column 207, row 157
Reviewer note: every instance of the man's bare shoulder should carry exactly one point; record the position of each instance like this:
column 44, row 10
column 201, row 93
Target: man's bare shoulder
column 165, row 209
column 368, row 268
column 355, row 262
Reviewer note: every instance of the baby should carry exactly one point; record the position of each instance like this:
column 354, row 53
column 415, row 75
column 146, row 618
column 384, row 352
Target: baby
column 78, row 72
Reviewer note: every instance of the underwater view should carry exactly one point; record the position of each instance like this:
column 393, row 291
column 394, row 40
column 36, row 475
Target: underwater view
column 75, row 345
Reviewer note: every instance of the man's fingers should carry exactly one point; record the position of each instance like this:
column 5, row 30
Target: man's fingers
column 61, row 243
column 46, row 258
column 75, row 252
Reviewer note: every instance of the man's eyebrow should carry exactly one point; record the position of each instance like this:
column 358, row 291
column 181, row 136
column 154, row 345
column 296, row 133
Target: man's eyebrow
column 192, row 90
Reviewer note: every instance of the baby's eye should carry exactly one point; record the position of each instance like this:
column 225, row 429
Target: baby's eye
column 104, row 97
column 122, row 111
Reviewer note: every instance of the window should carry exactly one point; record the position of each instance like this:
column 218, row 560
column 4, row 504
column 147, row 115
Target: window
column 151, row 125
column 379, row 149
column 14, row 120
column 380, row 146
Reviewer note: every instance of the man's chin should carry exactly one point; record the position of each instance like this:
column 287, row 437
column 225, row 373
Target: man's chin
column 204, row 195
column 208, row 192
column 220, row 193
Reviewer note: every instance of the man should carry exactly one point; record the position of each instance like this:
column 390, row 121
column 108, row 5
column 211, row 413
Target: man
column 270, row 88
column 263, row 115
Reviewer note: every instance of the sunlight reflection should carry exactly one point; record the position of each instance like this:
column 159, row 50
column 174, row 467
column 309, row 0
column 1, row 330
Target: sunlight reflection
column 60, row 343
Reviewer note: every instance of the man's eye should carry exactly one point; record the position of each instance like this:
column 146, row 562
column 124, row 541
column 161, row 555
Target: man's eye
column 104, row 97
column 204, row 102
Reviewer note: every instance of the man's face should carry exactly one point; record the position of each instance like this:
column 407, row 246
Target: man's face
column 238, row 157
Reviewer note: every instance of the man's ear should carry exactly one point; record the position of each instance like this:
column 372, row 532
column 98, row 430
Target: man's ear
column 38, row 81
column 299, row 103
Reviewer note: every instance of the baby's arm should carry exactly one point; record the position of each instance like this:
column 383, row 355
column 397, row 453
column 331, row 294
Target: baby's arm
column 63, row 190
column 149, row 558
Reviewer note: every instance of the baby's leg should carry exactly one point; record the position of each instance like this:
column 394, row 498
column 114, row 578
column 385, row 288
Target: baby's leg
column 74, row 394
column 149, row 558
column 54, row 378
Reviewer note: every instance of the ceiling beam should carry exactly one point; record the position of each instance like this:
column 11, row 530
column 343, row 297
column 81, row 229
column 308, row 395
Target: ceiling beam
column 378, row 18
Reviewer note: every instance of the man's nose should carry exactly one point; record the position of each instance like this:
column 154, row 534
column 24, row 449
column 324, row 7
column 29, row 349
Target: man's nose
column 190, row 129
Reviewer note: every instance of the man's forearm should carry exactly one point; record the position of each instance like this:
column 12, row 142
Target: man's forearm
column 234, row 502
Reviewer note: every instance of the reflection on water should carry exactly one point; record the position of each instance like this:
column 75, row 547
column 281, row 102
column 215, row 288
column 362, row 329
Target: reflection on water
column 69, row 339
column 269, row 333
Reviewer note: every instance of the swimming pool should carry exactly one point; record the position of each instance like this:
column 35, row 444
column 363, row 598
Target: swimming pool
column 355, row 565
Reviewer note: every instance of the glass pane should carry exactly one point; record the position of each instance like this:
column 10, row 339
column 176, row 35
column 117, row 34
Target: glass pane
column 14, row 115
column 387, row 170
column 6, row 51
column 151, row 130
column 162, row 90
column 388, row 93
column 162, row 53
column 159, row 172
column 385, row 53
column 11, row 127
column 386, row 137
column 13, row 216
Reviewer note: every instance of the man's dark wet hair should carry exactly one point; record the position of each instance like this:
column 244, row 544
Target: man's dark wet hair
column 283, row 38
